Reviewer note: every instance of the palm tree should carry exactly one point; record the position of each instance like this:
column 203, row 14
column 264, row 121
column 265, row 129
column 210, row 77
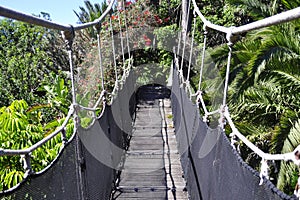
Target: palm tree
column 265, row 86
column 90, row 13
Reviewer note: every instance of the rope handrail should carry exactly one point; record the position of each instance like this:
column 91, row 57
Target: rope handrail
column 255, row 149
column 208, row 23
column 13, row 14
column 231, row 31
column 269, row 21
column 273, row 20
column 11, row 152
column 95, row 107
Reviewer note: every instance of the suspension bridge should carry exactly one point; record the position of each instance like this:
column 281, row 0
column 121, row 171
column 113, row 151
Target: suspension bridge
column 133, row 149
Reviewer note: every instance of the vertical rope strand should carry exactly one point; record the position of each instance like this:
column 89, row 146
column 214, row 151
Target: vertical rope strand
column 127, row 36
column 114, row 54
column 68, row 37
column 70, row 54
column 191, row 51
column 199, row 92
column 227, row 74
column 184, row 36
column 121, row 37
column 202, row 58
column 191, row 55
column 179, row 38
column 125, row 72
column 100, row 60
column 223, row 108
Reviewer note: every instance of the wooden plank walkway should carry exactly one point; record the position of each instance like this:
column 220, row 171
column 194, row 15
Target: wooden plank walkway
column 152, row 168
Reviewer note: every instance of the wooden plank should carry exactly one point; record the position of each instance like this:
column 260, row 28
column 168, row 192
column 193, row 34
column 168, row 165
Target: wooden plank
column 152, row 169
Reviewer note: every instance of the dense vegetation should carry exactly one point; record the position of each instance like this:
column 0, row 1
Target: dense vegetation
column 264, row 80
column 264, row 88
column 34, row 95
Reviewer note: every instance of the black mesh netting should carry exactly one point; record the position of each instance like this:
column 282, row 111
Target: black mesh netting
column 212, row 168
column 87, row 167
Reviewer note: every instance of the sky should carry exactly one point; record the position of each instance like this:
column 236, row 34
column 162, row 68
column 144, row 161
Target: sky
column 60, row 11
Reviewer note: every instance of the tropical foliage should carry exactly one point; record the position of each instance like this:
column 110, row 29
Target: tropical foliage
column 264, row 79
column 22, row 126
column 28, row 55
column 264, row 86
column 34, row 96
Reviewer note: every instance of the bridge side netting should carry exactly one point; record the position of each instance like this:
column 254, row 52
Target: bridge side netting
column 87, row 167
column 212, row 168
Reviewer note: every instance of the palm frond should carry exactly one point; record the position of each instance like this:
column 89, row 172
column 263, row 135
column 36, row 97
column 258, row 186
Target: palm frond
column 282, row 129
column 288, row 173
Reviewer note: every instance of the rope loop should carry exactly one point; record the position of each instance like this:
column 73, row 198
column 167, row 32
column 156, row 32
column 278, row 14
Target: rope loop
column 26, row 159
column 230, row 37
column 68, row 37
column 97, row 27
column 205, row 30
column 264, row 171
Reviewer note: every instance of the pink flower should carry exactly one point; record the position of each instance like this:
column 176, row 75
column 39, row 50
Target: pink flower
column 167, row 19
column 146, row 12
column 128, row 3
column 148, row 43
